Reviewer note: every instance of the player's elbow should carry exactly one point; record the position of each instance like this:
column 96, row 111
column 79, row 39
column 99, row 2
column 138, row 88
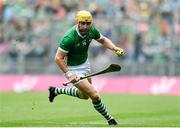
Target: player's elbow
column 57, row 59
column 102, row 40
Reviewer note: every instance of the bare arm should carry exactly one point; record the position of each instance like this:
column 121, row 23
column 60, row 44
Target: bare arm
column 59, row 59
column 108, row 44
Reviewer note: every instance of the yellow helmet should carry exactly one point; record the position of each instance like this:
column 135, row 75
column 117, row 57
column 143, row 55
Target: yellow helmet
column 83, row 16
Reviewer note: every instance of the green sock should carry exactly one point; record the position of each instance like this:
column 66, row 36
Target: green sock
column 67, row 91
column 101, row 108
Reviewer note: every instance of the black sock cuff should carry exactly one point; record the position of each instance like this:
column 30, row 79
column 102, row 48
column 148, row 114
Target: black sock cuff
column 96, row 102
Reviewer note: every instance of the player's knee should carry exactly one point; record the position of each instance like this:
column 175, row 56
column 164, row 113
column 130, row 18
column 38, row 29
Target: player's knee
column 83, row 96
column 95, row 97
column 86, row 98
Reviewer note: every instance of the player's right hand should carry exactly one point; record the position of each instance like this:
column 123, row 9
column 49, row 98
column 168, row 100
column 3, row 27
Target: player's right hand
column 73, row 78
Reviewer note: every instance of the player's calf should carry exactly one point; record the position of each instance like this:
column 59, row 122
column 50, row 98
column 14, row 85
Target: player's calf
column 95, row 97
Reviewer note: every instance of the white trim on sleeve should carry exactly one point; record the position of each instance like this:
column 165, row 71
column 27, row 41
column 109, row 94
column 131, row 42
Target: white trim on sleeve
column 100, row 36
column 62, row 50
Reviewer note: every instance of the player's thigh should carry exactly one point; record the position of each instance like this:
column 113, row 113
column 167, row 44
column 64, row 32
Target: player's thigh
column 82, row 94
column 88, row 89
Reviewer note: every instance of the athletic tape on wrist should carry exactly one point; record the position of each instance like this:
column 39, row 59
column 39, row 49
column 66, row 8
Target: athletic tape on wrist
column 68, row 74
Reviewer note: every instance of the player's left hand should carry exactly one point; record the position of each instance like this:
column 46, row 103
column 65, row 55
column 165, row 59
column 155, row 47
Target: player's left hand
column 118, row 51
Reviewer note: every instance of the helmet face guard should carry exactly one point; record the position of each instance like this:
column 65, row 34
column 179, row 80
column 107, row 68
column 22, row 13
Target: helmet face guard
column 84, row 16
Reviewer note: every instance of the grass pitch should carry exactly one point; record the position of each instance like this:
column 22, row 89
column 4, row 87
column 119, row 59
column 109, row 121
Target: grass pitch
column 34, row 109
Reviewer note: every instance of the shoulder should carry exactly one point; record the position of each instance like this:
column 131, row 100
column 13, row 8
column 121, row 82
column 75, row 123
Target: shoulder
column 67, row 39
column 94, row 32
column 70, row 34
column 93, row 28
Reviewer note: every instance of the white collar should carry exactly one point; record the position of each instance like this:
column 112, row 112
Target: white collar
column 79, row 33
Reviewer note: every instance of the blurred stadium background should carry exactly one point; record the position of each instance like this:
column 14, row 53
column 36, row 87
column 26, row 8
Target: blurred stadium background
column 148, row 31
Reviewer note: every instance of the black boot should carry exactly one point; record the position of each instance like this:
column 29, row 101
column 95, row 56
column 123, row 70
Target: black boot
column 52, row 95
column 112, row 122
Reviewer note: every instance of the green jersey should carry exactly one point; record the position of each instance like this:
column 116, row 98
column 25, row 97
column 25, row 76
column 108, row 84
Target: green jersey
column 76, row 46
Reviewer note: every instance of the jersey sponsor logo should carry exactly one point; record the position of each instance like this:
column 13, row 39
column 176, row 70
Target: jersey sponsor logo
column 77, row 45
column 84, row 42
column 89, row 40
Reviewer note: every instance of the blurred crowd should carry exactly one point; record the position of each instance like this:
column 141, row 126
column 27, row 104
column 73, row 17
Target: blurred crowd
column 148, row 30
